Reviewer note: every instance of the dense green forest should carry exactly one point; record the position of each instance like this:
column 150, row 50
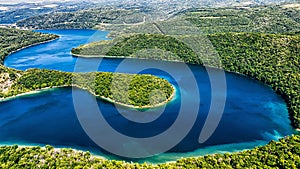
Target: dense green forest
column 128, row 46
column 283, row 19
column 282, row 154
column 13, row 39
column 83, row 19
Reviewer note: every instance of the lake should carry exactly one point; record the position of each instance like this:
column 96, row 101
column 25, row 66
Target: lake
column 253, row 114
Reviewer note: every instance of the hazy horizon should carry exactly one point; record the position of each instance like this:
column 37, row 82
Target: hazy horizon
column 33, row 1
column 50, row 1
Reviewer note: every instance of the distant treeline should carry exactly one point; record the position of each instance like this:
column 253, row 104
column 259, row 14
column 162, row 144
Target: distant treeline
column 83, row 19
column 271, row 19
column 262, row 19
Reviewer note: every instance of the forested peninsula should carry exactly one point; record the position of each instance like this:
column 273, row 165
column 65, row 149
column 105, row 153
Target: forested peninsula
column 128, row 90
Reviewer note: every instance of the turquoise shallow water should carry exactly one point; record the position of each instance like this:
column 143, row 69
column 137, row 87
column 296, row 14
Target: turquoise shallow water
column 253, row 113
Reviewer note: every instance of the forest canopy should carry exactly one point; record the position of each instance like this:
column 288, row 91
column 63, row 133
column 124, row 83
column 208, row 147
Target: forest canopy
column 282, row 154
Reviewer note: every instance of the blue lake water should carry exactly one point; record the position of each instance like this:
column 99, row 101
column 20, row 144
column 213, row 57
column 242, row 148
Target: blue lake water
column 253, row 113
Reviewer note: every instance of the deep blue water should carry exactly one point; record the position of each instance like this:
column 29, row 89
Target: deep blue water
column 253, row 113
column 55, row 55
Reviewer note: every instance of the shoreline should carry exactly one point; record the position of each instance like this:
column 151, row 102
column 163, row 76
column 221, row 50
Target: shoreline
column 100, row 97
column 4, row 99
column 28, row 46
column 131, row 106
column 123, row 57
column 56, row 149
column 176, row 61
column 181, row 155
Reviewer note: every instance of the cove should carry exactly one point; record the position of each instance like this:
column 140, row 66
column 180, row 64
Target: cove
column 253, row 113
column 56, row 54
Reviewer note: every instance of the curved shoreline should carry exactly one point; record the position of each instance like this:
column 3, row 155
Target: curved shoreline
column 4, row 99
column 101, row 97
column 121, row 57
column 137, row 107
column 28, row 46
column 176, row 61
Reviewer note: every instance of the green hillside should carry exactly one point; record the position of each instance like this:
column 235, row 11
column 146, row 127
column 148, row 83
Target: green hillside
column 128, row 46
column 270, row 19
